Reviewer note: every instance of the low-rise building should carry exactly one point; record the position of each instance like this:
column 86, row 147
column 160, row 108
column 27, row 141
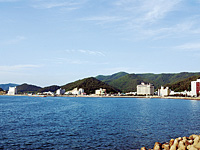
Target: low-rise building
column 100, row 91
column 12, row 91
column 195, row 88
column 145, row 89
column 75, row 91
column 163, row 91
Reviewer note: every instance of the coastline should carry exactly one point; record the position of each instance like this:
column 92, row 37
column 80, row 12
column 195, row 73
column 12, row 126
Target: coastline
column 96, row 96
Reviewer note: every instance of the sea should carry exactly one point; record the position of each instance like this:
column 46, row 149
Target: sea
column 94, row 123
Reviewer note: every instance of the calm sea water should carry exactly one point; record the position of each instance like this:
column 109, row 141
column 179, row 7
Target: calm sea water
column 94, row 123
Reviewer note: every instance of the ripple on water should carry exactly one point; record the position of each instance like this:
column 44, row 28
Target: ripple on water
column 94, row 123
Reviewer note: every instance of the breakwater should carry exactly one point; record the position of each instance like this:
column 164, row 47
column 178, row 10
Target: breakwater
column 182, row 143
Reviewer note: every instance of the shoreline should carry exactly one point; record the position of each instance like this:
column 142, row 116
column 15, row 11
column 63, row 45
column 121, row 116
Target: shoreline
column 95, row 96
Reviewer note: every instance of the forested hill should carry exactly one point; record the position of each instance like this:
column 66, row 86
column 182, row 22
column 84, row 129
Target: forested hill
column 183, row 85
column 27, row 88
column 129, row 82
column 90, row 85
column 52, row 88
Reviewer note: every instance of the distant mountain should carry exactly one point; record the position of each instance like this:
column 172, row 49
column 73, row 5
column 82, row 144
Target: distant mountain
column 182, row 85
column 111, row 77
column 52, row 88
column 128, row 82
column 26, row 88
column 90, row 85
column 6, row 86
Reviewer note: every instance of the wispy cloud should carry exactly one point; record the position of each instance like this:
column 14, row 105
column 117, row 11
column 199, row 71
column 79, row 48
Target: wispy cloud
column 70, row 5
column 13, row 68
column 189, row 47
column 88, row 52
column 15, row 40
column 104, row 19
column 157, row 9
column 147, row 10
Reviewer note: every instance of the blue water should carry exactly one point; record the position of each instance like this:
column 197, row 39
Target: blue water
column 94, row 123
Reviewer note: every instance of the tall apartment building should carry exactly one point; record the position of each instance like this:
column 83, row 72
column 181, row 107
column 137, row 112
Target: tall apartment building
column 145, row 89
column 195, row 88
column 12, row 91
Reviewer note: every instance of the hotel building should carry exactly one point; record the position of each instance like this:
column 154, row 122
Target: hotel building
column 145, row 89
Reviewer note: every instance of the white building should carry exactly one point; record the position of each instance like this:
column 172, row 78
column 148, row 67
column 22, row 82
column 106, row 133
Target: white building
column 76, row 91
column 145, row 89
column 60, row 91
column 48, row 93
column 195, row 88
column 163, row 91
column 12, row 91
column 100, row 91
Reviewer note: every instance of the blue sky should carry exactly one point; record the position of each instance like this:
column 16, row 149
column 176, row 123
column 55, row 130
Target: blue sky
column 46, row 42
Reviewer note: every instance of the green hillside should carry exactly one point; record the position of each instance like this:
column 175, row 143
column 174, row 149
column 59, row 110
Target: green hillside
column 129, row 82
column 52, row 88
column 26, row 88
column 111, row 77
column 90, row 85
column 183, row 85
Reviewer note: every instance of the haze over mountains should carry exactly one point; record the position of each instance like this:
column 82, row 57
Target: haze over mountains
column 118, row 82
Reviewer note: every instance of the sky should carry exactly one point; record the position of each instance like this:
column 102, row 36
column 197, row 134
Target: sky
column 54, row 42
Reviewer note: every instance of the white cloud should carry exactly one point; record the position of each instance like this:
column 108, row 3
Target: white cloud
column 157, row 9
column 69, row 5
column 104, row 19
column 88, row 52
column 17, row 67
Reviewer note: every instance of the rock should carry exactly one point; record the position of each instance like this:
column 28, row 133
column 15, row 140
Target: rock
column 196, row 140
column 173, row 147
column 157, row 146
column 191, row 142
column 192, row 137
column 197, row 145
column 192, row 148
column 184, row 138
column 176, row 141
column 188, row 143
column 171, row 142
column 165, row 146
column 143, row 148
column 181, row 146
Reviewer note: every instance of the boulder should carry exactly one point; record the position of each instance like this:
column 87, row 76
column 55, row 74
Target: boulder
column 192, row 148
column 181, row 146
column 173, row 147
column 171, row 142
column 165, row 146
column 143, row 148
column 196, row 140
column 157, row 146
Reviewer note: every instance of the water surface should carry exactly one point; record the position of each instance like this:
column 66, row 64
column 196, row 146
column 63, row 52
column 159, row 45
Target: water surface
column 94, row 123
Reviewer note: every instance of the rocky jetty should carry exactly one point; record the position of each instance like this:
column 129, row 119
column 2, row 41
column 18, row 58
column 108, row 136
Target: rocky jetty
column 181, row 143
